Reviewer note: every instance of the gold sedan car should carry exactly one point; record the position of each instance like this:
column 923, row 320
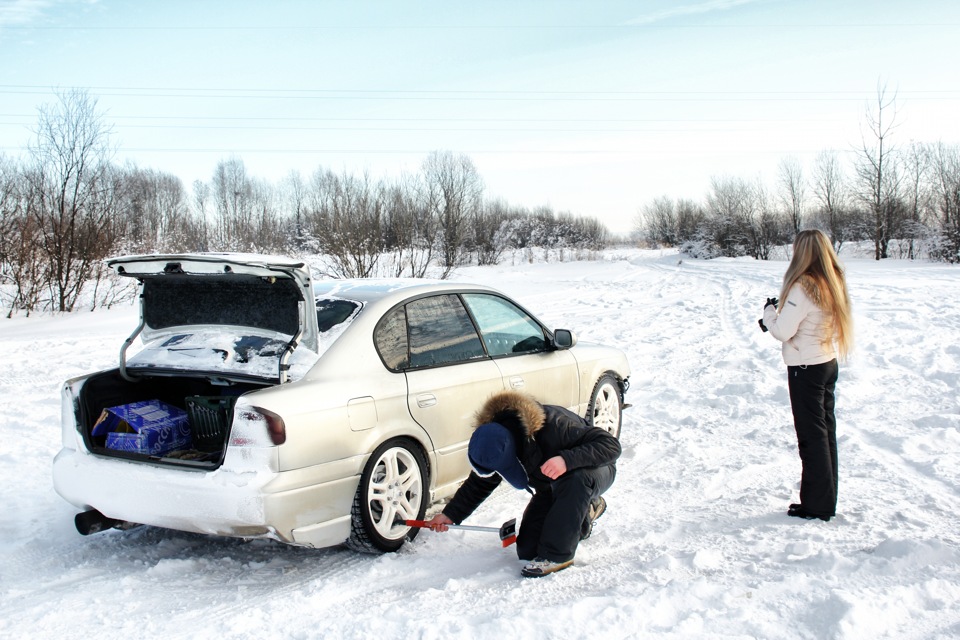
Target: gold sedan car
column 252, row 402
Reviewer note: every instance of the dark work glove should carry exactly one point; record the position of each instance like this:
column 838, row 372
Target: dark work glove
column 771, row 301
column 763, row 326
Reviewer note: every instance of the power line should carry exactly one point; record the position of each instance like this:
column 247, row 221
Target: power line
column 630, row 152
column 485, row 95
column 433, row 129
column 476, row 98
column 425, row 119
column 495, row 27
column 281, row 90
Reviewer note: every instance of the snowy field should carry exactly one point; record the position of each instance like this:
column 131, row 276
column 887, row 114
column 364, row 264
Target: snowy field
column 696, row 542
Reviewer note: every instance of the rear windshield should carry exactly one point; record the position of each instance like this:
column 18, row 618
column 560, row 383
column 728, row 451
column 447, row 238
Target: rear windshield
column 332, row 312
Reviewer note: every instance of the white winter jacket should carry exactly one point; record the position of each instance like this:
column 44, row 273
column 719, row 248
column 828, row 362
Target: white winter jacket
column 800, row 326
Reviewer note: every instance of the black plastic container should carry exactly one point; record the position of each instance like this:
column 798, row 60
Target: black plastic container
column 210, row 417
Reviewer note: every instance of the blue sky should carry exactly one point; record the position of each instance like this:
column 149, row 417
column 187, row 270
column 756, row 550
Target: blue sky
column 594, row 108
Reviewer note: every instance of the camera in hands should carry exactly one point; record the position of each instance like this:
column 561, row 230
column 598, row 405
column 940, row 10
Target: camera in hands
column 770, row 301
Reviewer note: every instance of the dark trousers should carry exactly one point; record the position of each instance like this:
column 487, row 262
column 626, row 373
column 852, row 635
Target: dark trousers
column 554, row 517
column 812, row 399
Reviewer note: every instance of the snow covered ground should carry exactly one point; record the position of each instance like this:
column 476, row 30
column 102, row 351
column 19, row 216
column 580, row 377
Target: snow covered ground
column 695, row 543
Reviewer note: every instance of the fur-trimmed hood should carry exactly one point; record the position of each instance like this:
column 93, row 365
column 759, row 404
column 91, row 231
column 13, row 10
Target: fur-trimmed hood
column 513, row 408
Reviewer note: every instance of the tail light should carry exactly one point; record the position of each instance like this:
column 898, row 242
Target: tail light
column 256, row 427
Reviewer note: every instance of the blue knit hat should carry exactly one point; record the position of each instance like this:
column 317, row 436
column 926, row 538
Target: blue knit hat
column 492, row 450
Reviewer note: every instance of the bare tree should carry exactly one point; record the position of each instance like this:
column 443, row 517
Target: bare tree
column 155, row 214
column 201, row 201
column 945, row 161
column 830, row 190
column 10, row 211
column 945, row 185
column 295, row 191
column 25, row 265
column 454, row 192
column 410, row 228
column 767, row 227
column 398, row 226
column 741, row 220
column 658, row 223
column 345, row 216
column 23, row 271
column 690, row 219
column 180, row 229
column 876, row 167
column 730, row 205
column 233, row 205
column 581, row 234
column 490, row 231
column 71, row 192
column 792, row 191
column 266, row 233
column 916, row 166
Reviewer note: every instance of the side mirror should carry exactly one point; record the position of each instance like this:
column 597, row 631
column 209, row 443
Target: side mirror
column 564, row 339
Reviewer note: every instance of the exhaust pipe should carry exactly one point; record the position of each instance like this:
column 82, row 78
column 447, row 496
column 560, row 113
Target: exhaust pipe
column 93, row 521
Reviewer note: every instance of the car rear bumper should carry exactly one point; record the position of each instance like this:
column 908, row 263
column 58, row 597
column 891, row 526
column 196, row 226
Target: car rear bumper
column 309, row 507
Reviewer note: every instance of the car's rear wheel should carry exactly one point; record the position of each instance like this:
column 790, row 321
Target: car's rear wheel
column 392, row 489
column 606, row 410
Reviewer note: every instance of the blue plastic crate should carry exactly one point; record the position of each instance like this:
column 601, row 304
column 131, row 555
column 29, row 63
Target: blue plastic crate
column 150, row 427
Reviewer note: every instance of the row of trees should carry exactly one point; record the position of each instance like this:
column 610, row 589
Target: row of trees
column 67, row 206
column 906, row 200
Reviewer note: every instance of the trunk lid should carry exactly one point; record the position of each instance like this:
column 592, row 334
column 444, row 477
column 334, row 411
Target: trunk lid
column 233, row 315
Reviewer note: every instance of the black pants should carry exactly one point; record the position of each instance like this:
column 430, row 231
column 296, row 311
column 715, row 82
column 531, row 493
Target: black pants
column 812, row 399
column 554, row 517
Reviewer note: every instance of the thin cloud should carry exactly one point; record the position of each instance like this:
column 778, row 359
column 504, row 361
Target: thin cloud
column 710, row 6
column 24, row 12
column 17, row 12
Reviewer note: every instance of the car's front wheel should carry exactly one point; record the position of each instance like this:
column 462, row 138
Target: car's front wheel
column 392, row 489
column 606, row 410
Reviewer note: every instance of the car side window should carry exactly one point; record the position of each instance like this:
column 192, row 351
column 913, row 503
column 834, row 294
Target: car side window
column 391, row 340
column 440, row 332
column 505, row 327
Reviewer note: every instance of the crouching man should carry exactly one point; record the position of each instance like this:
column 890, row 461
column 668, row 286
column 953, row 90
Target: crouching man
column 552, row 453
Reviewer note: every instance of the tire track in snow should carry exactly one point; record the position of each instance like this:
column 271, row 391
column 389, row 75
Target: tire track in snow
column 902, row 367
column 172, row 563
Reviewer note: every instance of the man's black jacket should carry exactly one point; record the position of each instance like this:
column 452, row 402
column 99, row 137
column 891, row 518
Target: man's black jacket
column 541, row 432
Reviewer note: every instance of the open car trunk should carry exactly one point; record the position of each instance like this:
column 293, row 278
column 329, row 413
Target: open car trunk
column 212, row 328
column 208, row 407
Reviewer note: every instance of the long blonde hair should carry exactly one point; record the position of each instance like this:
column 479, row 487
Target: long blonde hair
column 816, row 266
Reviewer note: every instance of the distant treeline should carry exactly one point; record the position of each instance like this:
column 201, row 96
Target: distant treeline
column 66, row 206
column 905, row 200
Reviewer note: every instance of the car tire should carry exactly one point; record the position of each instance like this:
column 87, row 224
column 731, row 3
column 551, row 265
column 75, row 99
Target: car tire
column 393, row 488
column 606, row 405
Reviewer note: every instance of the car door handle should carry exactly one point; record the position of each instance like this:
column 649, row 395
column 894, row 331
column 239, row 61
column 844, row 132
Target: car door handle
column 426, row 400
column 516, row 382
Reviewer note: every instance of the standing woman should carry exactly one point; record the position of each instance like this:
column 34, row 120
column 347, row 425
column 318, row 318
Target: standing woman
column 814, row 322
